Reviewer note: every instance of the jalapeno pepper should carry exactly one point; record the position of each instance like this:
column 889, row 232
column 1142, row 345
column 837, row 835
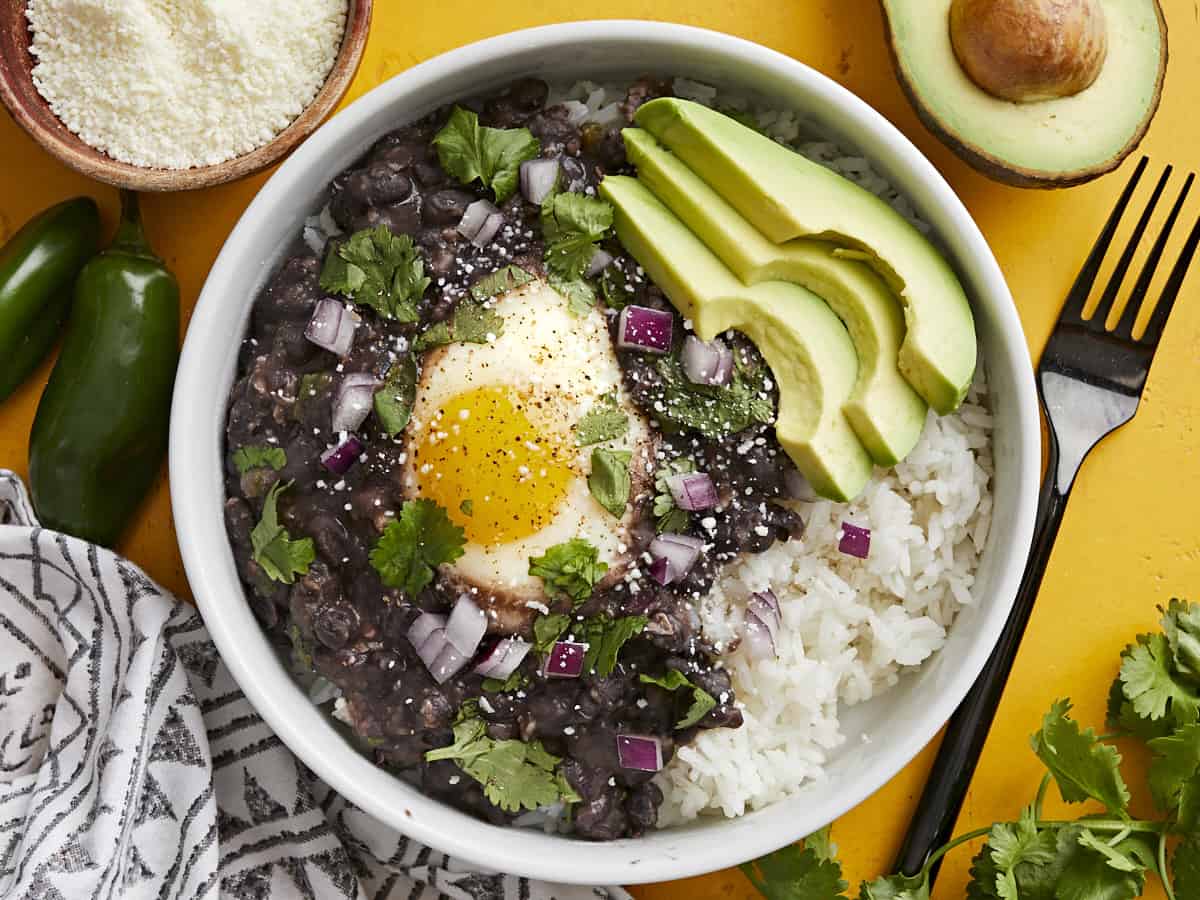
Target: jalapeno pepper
column 38, row 267
column 100, row 432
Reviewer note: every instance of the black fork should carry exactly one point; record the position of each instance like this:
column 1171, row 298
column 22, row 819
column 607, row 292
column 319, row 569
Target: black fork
column 1090, row 381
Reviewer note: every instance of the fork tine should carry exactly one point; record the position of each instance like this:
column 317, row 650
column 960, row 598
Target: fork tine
column 1104, row 307
column 1077, row 298
column 1141, row 289
column 1158, row 321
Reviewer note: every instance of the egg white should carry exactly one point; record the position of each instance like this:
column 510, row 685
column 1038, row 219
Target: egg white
column 564, row 364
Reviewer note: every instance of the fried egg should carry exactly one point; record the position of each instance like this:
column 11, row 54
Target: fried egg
column 492, row 440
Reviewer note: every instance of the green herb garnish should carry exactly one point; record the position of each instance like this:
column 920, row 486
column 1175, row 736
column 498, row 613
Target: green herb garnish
column 467, row 507
column 515, row 775
column 259, row 457
column 472, row 323
column 603, row 422
column 572, row 227
column 419, row 540
column 378, row 269
column 547, row 629
column 605, row 637
column 609, row 479
column 281, row 558
column 499, row 282
column 669, row 516
column 513, row 682
column 394, row 400
column 573, row 568
column 471, row 152
column 714, row 411
column 615, row 288
column 702, row 701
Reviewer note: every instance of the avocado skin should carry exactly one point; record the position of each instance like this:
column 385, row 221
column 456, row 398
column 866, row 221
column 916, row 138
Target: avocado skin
column 993, row 166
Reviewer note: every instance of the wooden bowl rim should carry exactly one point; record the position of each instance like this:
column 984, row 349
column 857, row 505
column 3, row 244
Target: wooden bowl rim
column 67, row 147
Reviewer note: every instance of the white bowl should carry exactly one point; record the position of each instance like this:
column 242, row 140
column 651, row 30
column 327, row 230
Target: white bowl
column 901, row 723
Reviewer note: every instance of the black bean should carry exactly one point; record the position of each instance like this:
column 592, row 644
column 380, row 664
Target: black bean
column 446, row 207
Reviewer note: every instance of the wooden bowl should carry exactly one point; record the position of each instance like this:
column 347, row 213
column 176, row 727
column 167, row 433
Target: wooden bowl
column 33, row 113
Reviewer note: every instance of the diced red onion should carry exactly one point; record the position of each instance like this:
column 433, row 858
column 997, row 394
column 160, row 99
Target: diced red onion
column 764, row 606
column 601, row 260
column 428, row 637
column 608, row 115
column 353, row 401
column 577, row 112
column 565, row 660
column 332, row 327
column 693, row 491
column 759, row 639
column 642, row 328
column 447, row 664
column 467, row 626
column 474, row 218
column 798, row 487
column 340, row 458
column 425, row 625
column 314, row 238
column 489, row 230
column 539, row 178
column 638, row 752
column 707, row 363
column 673, row 555
column 503, row 658
column 855, row 541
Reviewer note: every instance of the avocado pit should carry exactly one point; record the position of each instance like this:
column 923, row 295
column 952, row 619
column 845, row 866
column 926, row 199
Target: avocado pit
column 1030, row 50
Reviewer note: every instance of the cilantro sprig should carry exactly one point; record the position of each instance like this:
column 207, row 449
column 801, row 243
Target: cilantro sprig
column 604, row 636
column 471, row 152
column 667, row 514
column 420, row 539
column 281, row 557
column 572, row 227
column 715, row 412
column 1106, row 856
column 259, row 457
column 609, row 481
column 472, row 323
column 605, row 421
column 378, row 269
column 573, row 569
column 702, row 701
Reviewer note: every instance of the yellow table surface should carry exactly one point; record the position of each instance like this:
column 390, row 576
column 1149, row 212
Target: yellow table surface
column 1131, row 537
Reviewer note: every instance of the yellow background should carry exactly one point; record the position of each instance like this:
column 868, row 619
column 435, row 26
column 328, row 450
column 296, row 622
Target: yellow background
column 1130, row 539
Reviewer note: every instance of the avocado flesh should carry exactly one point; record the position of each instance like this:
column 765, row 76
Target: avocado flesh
column 805, row 344
column 1049, row 143
column 786, row 196
column 884, row 411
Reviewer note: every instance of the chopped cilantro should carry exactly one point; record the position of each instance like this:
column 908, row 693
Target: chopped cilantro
column 467, row 507
column 713, row 411
column 513, row 682
column 547, row 629
column 472, row 323
column 669, row 516
column 609, row 479
column 419, row 540
column 471, row 152
column 499, row 282
column 302, row 660
column 605, row 637
column 603, row 422
column 259, row 457
column 572, row 226
column 581, row 296
column 394, row 400
column 615, row 288
column 378, row 269
column 313, row 387
column 281, row 558
column 515, row 775
column 702, row 701
column 573, row 568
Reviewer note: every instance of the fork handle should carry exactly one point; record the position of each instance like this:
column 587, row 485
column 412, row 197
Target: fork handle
column 933, row 823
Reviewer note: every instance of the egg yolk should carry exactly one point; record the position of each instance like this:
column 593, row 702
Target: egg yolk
column 488, row 466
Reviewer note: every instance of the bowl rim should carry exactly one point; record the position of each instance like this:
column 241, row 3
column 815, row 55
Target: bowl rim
column 684, row 852
column 72, row 151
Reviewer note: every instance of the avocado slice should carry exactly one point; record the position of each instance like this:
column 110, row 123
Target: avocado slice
column 883, row 409
column 786, row 196
column 805, row 344
column 1048, row 143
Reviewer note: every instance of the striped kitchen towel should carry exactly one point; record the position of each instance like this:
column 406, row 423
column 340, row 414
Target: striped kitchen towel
column 131, row 765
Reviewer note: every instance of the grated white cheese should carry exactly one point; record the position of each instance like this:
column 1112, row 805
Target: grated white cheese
column 181, row 83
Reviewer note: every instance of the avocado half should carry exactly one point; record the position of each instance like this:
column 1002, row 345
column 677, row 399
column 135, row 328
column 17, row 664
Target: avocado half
column 1048, row 143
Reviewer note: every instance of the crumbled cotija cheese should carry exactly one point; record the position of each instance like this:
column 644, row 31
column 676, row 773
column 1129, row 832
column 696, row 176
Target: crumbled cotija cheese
column 181, row 83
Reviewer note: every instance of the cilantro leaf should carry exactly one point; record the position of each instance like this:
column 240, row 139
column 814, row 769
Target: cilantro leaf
column 581, row 296
column 515, row 775
column 713, row 411
column 309, row 408
column 259, row 457
column 609, row 479
column 1175, row 768
column 1185, row 867
column 605, row 637
column 472, row 323
column 467, row 507
column 1085, row 874
column 670, row 517
column 603, row 422
column 469, row 151
column 302, row 660
column 394, row 400
column 1121, row 716
column 281, row 558
column 379, row 269
column 1150, row 684
column 702, row 701
column 420, row 539
column 499, row 282
column 1082, row 766
column 513, row 682
column 821, row 843
column 795, row 873
column 897, row 887
column 1120, row 857
column 1181, row 624
column 572, row 226
column 615, row 288
column 984, row 876
column 1016, row 843
column 573, row 568
column 547, row 629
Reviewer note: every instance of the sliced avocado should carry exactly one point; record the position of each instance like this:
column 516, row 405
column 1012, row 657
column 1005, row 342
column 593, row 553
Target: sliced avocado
column 806, row 346
column 786, row 196
column 1048, row 143
column 883, row 409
